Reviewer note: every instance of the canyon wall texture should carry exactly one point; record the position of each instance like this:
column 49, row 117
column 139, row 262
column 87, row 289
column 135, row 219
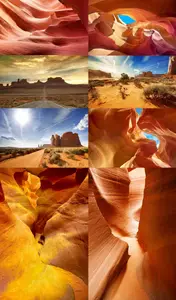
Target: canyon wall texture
column 117, row 138
column 152, row 33
column 138, row 207
column 44, row 232
column 43, row 27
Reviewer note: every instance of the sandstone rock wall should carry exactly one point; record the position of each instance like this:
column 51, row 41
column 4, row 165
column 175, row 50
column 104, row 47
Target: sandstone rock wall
column 68, row 139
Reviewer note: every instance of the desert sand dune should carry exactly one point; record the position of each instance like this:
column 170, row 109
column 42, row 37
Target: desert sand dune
column 30, row 161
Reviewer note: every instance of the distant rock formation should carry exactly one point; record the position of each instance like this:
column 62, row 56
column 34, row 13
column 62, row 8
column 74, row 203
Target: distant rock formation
column 57, row 82
column 68, row 139
column 97, row 74
column 146, row 74
column 172, row 66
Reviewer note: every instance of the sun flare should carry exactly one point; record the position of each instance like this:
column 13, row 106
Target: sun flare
column 22, row 116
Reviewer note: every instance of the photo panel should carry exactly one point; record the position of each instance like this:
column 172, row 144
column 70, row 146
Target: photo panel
column 44, row 233
column 43, row 137
column 131, row 233
column 128, row 138
column 45, row 81
column 118, row 27
column 132, row 81
column 43, row 27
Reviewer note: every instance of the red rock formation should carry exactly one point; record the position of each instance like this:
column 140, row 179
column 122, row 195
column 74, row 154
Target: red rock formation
column 96, row 74
column 70, row 139
column 116, row 138
column 172, row 66
column 146, row 74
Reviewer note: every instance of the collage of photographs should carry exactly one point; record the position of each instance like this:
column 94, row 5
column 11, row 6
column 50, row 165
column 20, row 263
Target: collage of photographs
column 87, row 150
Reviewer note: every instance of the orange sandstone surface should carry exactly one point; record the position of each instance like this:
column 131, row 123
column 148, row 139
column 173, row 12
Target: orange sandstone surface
column 117, row 138
column 43, row 234
column 133, row 256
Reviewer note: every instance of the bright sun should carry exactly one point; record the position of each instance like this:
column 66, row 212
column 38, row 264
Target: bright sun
column 22, row 116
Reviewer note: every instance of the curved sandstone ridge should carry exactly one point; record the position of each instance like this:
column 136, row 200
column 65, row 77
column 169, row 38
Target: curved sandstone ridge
column 43, row 27
column 43, row 229
column 116, row 138
column 152, row 33
column 138, row 206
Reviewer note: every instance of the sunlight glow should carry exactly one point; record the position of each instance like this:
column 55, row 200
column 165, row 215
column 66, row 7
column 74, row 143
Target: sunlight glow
column 22, row 116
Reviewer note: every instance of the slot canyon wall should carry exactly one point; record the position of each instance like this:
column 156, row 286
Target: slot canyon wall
column 116, row 138
column 138, row 207
column 43, row 27
column 44, row 234
column 152, row 33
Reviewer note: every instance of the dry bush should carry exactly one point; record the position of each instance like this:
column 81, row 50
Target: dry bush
column 160, row 95
column 138, row 84
column 93, row 93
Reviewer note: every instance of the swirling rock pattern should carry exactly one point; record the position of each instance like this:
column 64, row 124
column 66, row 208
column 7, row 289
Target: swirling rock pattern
column 43, row 229
column 152, row 33
column 117, row 138
column 43, row 27
column 144, row 198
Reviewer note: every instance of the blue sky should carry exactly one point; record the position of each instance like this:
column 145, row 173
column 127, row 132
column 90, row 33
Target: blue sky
column 131, row 65
column 23, row 127
column 126, row 19
column 148, row 135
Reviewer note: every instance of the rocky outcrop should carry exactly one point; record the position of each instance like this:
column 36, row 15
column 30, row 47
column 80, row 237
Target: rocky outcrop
column 172, row 66
column 97, row 74
column 116, row 138
column 68, row 139
column 146, row 74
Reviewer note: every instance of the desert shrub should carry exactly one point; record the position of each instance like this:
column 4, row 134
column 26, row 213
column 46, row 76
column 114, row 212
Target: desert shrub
column 124, row 76
column 13, row 153
column 138, row 84
column 77, row 151
column 161, row 95
column 47, row 151
column 71, row 156
column 93, row 93
column 61, row 163
column 44, row 165
column 54, row 158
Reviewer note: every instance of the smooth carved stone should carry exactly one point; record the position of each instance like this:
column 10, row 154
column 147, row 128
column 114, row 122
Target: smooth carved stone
column 116, row 138
column 43, row 27
column 150, row 272
column 35, row 224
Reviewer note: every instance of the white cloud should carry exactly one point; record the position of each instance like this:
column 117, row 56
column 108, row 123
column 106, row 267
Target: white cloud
column 83, row 123
column 136, row 71
column 146, row 58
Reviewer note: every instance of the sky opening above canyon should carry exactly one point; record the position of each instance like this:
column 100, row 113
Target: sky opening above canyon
column 25, row 128
column 125, row 19
column 131, row 65
column 73, row 69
